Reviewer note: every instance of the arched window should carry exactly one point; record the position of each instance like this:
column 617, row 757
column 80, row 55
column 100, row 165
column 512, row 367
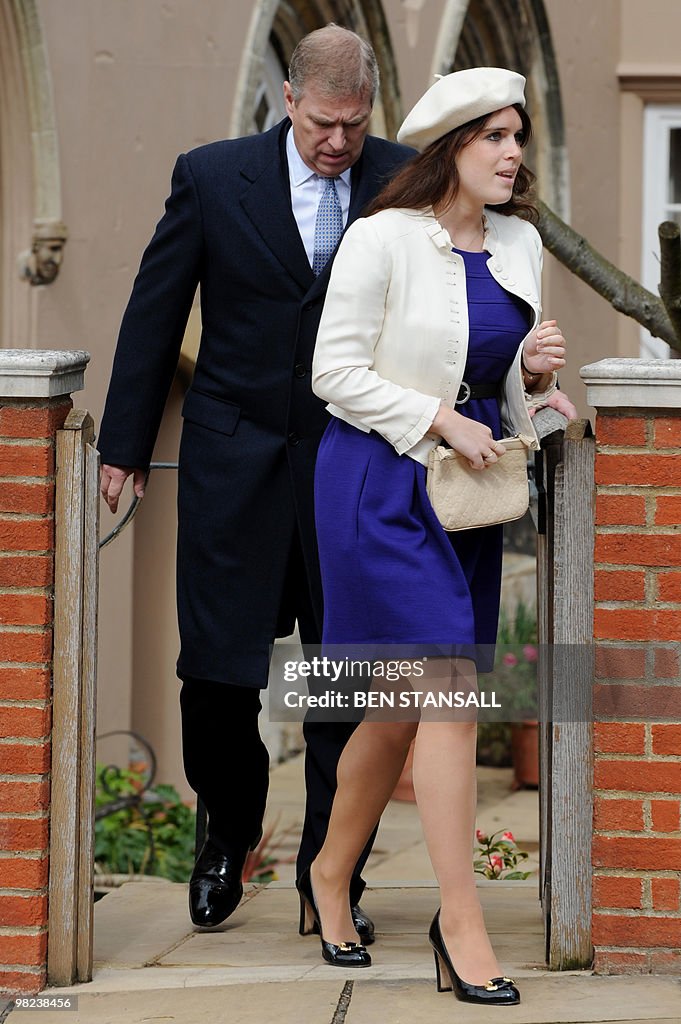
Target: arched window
column 515, row 34
column 269, row 99
column 30, row 188
column 277, row 27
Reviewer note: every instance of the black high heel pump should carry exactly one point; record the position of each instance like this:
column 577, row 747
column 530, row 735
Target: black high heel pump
column 346, row 954
column 497, row 991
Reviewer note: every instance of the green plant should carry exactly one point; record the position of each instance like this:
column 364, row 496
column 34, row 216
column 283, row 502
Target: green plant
column 521, row 628
column 147, row 832
column 498, row 858
column 494, row 744
column 515, row 664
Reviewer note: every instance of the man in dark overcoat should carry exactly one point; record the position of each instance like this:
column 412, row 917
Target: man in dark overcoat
column 242, row 222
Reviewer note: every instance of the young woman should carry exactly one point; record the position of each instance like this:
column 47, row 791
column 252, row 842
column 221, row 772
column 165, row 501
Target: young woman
column 431, row 331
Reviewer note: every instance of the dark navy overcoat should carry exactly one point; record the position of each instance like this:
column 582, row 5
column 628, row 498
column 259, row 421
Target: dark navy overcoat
column 251, row 423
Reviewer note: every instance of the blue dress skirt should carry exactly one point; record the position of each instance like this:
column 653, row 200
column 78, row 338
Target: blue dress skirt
column 391, row 575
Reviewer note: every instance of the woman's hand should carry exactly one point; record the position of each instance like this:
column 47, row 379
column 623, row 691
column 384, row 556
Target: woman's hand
column 468, row 437
column 544, row 349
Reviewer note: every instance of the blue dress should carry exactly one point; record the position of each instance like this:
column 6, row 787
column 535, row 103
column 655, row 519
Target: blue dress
column 391, row 575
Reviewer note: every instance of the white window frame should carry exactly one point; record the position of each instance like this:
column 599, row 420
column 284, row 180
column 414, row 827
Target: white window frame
column 659, row 119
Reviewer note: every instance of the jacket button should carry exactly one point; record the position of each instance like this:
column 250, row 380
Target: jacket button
column 300, row 370
column 293, row 438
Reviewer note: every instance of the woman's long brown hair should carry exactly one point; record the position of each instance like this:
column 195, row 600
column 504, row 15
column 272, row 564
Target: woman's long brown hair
column 431, row 178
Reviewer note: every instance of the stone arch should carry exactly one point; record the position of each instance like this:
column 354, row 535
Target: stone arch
column 282, row 23
column 30, row 186
column 514, row 34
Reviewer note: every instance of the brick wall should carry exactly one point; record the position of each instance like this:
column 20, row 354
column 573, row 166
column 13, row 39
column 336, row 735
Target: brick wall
column 637, row 745
column 27, row 451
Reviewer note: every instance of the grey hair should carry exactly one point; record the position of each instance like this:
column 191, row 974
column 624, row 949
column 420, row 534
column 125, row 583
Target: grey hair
column 338, row 61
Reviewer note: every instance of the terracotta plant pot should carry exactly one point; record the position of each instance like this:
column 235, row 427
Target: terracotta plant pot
column 525, row 751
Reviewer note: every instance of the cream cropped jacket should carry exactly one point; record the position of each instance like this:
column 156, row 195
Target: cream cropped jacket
column 393, row 336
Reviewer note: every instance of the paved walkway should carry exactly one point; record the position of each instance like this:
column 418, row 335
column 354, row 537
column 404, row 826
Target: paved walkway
column 151, row 966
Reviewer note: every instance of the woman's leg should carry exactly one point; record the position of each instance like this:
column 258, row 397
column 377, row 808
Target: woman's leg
column 446, row 791
column 368, row 770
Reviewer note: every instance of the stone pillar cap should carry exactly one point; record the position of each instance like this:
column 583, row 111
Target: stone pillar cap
column 41, row 373
column 633, row 383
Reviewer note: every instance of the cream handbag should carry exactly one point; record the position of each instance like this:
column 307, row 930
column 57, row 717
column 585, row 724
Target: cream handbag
column 464, row 498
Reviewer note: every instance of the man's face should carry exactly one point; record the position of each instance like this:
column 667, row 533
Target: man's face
column 329, row 132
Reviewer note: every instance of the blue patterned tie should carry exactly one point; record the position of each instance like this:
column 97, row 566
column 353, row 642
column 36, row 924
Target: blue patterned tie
column 328, row 226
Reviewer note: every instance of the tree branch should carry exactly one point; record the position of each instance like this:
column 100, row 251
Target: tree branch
column 670, row 271
column 624, row 293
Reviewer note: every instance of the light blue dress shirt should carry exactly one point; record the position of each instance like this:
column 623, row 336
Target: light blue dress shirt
column 306, row 191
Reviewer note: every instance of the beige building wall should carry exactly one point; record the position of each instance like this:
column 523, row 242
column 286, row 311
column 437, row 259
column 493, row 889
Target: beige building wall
column 133, row 84
column 586, row 40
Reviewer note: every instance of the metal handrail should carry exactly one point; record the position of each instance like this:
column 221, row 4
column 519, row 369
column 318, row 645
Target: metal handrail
column 112, row 771
column 134, row 505
column 201, row 814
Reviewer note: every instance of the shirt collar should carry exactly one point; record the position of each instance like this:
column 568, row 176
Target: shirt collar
column 298, row 170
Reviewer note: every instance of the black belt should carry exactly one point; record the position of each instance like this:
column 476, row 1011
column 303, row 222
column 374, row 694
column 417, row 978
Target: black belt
column 468, row 391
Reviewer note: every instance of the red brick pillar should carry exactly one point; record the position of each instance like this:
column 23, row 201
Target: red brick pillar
column 34, row 402
column 637, row 694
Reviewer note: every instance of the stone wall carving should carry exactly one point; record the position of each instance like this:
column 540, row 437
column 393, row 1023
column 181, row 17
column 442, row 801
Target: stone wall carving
column 40, row 264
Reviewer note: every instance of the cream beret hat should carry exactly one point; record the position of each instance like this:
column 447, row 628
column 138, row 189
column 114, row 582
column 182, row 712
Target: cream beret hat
column 458, row 98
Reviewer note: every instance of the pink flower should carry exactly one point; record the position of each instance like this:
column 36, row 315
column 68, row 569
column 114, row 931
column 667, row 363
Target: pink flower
column 480, row 835
column 509, row 659
column 530, row 652
column 508, row 836
column 497, row 863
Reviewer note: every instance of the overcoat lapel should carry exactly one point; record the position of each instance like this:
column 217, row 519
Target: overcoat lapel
column 266, row 200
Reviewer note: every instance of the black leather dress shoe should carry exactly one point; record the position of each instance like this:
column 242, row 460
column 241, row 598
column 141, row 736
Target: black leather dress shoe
column 215, row 888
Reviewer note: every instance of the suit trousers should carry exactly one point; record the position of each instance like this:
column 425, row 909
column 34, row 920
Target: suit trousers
column 226, row 761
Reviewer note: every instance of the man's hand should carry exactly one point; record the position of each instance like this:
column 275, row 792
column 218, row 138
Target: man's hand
column 559, row 401
column 112, row 480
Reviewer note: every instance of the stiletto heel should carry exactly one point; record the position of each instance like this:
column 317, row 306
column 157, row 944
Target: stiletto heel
column 497, row 991
column 345, row 954
column 307, row 924
column 438, row 974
